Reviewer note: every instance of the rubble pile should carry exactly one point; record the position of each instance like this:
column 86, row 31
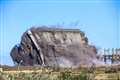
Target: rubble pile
column 54, row 47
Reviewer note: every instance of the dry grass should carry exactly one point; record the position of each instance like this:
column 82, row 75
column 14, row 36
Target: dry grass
column 38, row 73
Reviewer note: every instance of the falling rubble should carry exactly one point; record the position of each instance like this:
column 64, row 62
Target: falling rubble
column 54, row 47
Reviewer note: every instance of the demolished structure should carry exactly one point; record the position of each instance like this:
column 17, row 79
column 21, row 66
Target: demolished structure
column 54, row 47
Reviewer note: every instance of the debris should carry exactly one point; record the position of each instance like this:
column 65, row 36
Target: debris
column 54, row 47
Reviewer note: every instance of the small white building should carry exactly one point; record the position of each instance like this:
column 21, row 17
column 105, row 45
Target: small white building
column 1, row 70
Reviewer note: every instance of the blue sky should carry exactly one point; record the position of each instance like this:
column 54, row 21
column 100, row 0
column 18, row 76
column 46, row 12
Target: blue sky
column 99, row 19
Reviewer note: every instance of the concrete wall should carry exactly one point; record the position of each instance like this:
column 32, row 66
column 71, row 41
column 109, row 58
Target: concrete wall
column 64, row 36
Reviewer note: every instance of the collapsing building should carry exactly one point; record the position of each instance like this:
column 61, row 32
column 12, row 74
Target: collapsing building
column 54, row 47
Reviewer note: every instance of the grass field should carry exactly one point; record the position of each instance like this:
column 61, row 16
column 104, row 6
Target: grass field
column 39, row 73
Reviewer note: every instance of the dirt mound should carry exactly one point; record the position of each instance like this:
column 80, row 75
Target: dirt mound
column 54, row 47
